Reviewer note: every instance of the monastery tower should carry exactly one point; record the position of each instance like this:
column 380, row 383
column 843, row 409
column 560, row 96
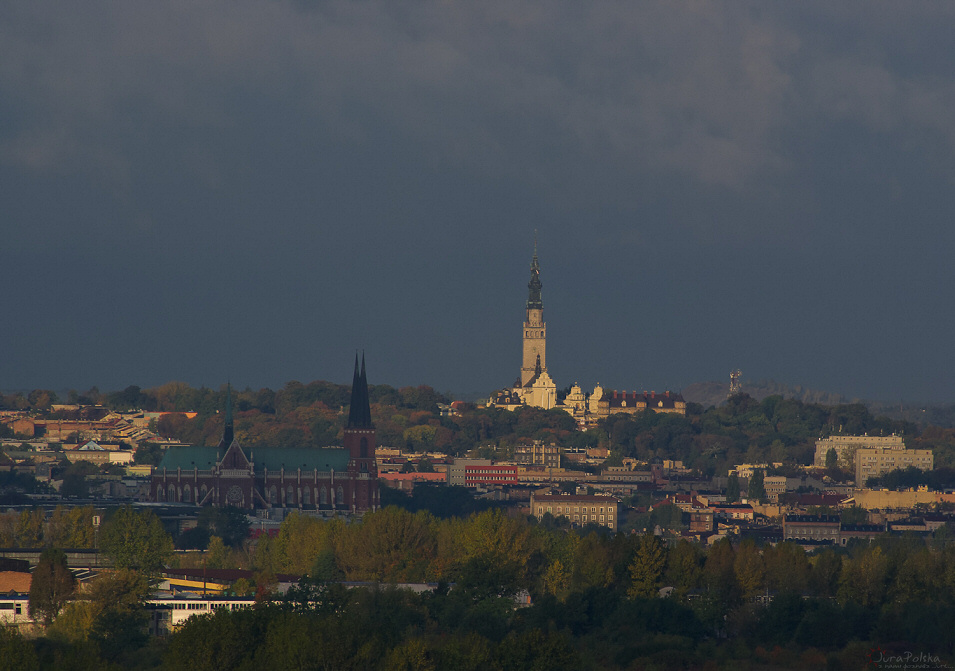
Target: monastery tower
column 535, row 330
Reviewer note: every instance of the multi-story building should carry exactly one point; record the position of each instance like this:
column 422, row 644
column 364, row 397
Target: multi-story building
column 538, row 454
column 875, row 461
column 701, row 520
column 493, row 474
column 845, row 448
column 481, row 473
column 605, row 403
column 579, row 509
column 816, row 528
column 733, row 511
column 775, row 486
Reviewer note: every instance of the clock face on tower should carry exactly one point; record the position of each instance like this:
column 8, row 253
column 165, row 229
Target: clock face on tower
column 234, row 495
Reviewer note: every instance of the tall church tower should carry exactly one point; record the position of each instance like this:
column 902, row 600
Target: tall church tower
column 534, row 360
column 359, row 440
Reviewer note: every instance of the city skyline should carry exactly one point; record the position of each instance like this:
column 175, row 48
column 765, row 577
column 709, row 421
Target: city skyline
column 251, row 192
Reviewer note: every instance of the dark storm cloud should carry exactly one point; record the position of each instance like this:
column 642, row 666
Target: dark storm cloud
column 249, row 189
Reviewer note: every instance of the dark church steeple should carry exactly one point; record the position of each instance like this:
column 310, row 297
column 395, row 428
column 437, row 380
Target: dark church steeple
column 359, row 413
column 228, row 433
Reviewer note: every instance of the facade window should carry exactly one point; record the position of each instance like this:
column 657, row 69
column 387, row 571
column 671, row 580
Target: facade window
column 172, row 493
column 289, row 496
column 341, row 495
column 203, row 492
column 273, row 495
column 187, row 494
column 307, row 496
column 160, row 493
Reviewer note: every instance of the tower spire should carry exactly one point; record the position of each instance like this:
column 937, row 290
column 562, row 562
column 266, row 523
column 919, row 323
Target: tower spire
column 534, row 286
column 228, row 432
column 359, row 412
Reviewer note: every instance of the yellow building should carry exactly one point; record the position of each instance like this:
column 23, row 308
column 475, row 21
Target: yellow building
column 875, row 461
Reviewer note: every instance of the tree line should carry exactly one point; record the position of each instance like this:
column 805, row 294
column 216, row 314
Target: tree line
column 600, row 600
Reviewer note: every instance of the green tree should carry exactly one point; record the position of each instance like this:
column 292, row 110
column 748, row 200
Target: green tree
column 118, row 599
column 756, row 489
column 864, row 578
column 749, row 569
column 646, row 568
column 52, row 585
column 854, row 515
column 732, row 489
column 136, row 540
column 74, row 485
column 148, row 453
column 684, row 567
column 16, row 653
column 217, row 556
column 832, row 459
column 228, row 523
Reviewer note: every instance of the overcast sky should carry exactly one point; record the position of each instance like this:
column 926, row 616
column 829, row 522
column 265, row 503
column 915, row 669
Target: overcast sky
column 249, row 190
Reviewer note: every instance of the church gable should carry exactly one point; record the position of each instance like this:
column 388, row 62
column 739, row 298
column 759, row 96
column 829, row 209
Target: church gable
column 234, row 458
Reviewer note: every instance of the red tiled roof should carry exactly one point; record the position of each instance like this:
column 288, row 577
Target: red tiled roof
column 15, row 581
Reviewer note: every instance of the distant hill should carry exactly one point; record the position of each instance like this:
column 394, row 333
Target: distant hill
column 714, row 393
column 922, row 415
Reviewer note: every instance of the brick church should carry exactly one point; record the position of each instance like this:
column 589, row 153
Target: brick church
column 341, row 479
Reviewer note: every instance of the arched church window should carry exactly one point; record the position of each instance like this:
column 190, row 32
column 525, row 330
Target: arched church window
column 289, row 496
column 341, row 495
column 363, row 447
column 187, row 494
column 364, row 467
column 202, row 493
column 172, row 493
column 323, row 500
column 160, row 493
column 273, row 495
column 307, row 496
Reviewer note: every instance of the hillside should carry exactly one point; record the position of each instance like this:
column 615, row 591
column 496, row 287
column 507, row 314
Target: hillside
column 714, row 393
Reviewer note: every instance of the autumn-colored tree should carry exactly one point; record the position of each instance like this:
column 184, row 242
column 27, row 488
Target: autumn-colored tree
column 51, row 587
column 29, row 533
column 70, row 527
column 390, row 545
